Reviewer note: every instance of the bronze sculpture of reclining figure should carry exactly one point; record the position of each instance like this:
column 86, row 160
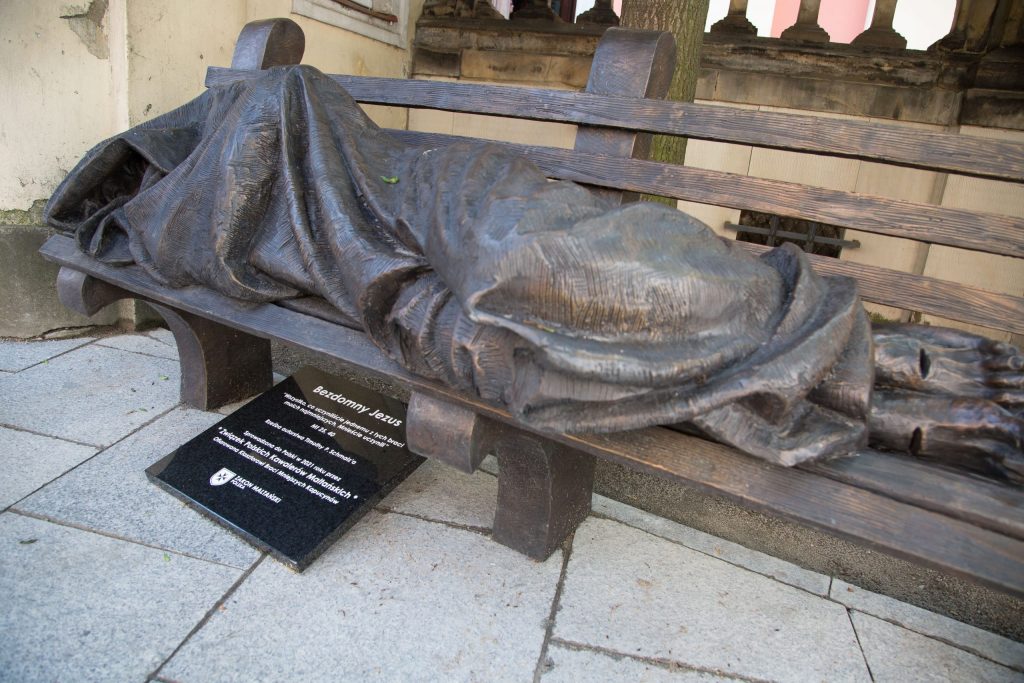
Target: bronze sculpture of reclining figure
column 467, row 265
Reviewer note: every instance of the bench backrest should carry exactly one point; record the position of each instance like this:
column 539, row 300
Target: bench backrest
column 619, row 109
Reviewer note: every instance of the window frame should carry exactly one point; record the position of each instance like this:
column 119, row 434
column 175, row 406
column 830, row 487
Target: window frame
column 364, row 22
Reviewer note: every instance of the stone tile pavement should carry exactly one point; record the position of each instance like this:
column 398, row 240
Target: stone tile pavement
column 104, row 577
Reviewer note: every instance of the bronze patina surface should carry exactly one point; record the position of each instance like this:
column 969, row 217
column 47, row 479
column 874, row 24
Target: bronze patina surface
column 466, row 264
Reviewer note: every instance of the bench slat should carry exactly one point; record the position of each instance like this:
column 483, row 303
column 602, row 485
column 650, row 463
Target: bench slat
column 925, row 294
column 926, row 485
column 972, row 230
column 861, row 515
column 827, row 504
column 886, row 143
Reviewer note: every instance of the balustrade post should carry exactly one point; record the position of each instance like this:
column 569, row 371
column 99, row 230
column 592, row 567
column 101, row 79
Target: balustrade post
column 954, row 40
column 601, row 14
column 735, row 22
column 806, row 28
column 483, row 9
column 474, row 9
column 972, row 27
column 881, row 32
column 535, row 9
column 1005, row 27
column 1014, row 34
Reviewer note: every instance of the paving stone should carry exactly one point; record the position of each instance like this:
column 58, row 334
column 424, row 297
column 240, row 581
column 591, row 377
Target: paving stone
column 437, row 491
column 734, row 553
column 229, row 408
column 141, row 343
column 397, row 599
column 902, row 656
column 93, row 395
column 565, row 665
column 489, row 465
column 18, row 355
column 162, row 335
column 111, row 494
column 28, row 461
column 631, row 592
column 981, row 642
column 83, row 607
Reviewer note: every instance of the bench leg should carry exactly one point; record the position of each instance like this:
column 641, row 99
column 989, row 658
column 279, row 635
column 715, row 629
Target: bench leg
column 85, row 294
column 544, row 488
column 219, row 364
column 544, row 491
column 440, row 430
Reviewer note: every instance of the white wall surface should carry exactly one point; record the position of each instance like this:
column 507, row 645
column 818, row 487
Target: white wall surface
column 70, row 82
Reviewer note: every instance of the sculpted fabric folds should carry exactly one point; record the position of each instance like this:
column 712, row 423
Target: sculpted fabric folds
column 467, row 265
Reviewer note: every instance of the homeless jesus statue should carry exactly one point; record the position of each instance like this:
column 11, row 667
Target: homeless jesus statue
column 466, row 264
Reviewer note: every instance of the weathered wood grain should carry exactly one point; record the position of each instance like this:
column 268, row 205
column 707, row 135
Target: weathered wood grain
column 926, row 485
column 633, row 63
column 940, row 539
column 885, row 143
column 952, row 300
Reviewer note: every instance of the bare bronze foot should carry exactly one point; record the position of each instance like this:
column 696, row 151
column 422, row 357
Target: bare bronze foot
column 938, row 360
column 949, row 396
column 970, row 433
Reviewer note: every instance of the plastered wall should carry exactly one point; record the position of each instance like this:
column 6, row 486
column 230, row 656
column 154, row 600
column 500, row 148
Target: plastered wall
column 76, row 73
column 58, row 98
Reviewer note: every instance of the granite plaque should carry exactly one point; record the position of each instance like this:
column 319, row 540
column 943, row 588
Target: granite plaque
column 296, row 467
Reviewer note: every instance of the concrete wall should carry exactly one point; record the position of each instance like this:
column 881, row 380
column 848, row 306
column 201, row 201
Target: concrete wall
column 77, row 73
column 60, row 99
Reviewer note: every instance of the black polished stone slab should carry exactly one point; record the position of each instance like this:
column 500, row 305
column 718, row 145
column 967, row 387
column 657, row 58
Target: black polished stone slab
column 296, row 467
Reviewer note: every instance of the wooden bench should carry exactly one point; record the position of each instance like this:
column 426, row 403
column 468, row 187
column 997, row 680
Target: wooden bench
column 947, row 520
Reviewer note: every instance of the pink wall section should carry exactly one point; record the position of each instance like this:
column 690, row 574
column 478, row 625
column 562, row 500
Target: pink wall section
column 843, row 19
column 785, row 16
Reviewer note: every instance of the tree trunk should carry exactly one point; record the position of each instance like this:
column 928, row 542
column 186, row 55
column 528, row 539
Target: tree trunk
column 685, row 19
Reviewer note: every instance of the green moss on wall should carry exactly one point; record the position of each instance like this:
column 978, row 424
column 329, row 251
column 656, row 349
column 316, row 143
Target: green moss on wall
column 31, row 216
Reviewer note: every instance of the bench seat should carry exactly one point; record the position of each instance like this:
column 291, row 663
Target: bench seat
column 950, row 521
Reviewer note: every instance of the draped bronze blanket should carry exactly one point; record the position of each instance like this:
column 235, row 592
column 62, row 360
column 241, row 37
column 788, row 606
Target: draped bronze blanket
column 466, row 264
